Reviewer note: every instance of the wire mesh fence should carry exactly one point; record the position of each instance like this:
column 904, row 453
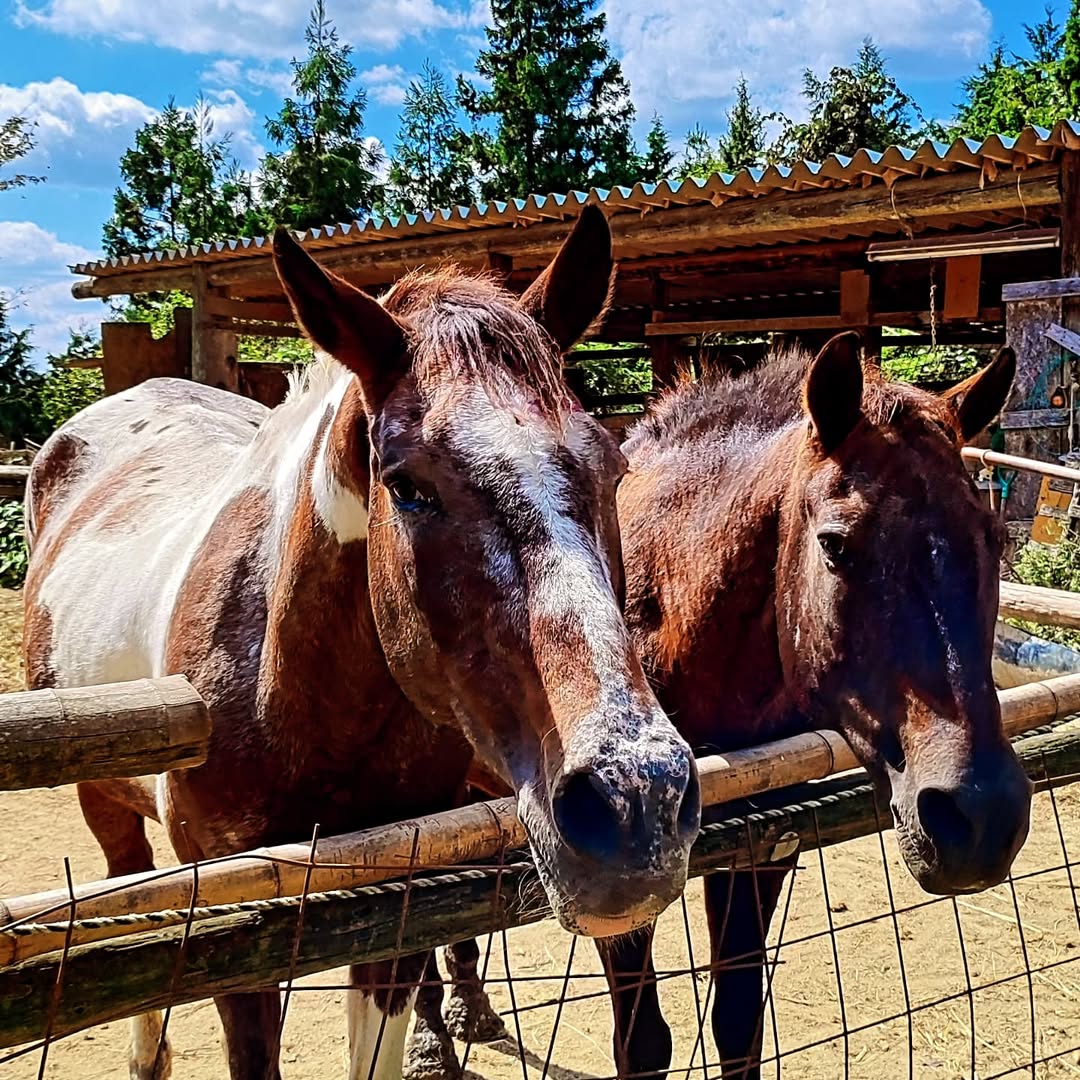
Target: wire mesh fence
column 866, row 976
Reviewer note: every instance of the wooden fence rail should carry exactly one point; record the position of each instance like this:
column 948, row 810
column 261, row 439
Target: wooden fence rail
column 465, row 836
column 251, row 949
column 52, row 737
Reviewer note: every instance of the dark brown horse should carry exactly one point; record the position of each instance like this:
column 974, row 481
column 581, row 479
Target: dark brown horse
column 804, row 548
column 413, row 560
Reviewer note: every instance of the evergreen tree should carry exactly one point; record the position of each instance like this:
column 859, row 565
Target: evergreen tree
column 179, row 185
column 856, row 107
column 1008, row 92
column 20, row 411
column 429, row 169
column 744, row 143
column 699, row 158
column 16, row 141
column 555, row 113
column 657, row 163
column 326, row 169
column 1070, row 61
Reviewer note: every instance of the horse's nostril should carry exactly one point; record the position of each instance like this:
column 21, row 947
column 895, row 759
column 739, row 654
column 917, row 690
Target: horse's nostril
column 585, row 817
column 942, row 820
column 689, row 820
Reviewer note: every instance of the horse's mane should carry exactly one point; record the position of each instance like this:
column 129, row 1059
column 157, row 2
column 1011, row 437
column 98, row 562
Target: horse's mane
column 459, row 324
column 762, row 400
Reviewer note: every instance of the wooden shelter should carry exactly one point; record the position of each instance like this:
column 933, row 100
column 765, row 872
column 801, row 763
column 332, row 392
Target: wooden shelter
column 968, row 243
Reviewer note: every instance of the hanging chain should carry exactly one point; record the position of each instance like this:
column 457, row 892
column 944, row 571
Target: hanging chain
column 933, row 308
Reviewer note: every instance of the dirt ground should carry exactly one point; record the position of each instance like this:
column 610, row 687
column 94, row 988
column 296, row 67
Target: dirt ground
column 817, row 992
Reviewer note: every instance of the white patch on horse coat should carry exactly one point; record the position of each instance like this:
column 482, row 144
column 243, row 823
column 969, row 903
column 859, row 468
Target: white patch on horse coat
column 365, row 1020
column 145, row 1036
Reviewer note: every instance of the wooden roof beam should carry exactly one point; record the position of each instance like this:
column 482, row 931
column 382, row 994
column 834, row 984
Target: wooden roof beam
column 905, row 205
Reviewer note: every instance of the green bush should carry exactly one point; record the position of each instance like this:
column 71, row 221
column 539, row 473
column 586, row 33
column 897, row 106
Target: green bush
column 13, row 555
column 1053, row 568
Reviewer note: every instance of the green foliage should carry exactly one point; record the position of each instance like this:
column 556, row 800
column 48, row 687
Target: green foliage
column 16, row 141
column 855, row 107
column 632, row 375
column 699, row 158
column 659, row 158
column 1069, row 71
column 325, row 169
column 295, row 352
column 430, row 168
column 66, row 390
column 20, row 412
column 744, row 143
column 554, row 113
column 927, row 365
column 1053, row 568
column 179, row 186
column 157, row 309
column 13, row 554
column 1008, row 92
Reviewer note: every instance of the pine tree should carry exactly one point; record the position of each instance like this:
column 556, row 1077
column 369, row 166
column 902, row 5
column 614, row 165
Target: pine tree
column 20, row 410
column 1010, row 91
column 326, row 169
column 176, row 185
column 429, row 169
column 555, row 113
column 744, row 143
column 1070, row 61
column 856, row 107
column 699, row 157
column 657, row 163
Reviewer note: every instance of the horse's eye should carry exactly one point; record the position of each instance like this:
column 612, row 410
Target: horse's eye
column 834, row 547
column 406, row 497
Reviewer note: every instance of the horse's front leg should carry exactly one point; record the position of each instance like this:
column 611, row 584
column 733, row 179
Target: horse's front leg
column 251, row 1023
column 642, row 1038
column 469, row 1013
column 379, row 1007
column 431, row 1054
column 740, row 906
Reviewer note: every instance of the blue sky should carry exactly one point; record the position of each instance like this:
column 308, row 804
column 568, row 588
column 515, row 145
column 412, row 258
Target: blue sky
column 89, row 72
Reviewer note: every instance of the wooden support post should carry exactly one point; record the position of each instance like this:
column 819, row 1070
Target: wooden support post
column 855, row 298
column 53, row 737
column 213, row 351
column 963, row 276
column 500, row 265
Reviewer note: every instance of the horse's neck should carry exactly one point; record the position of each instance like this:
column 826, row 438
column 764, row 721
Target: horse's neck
column 325, row 682
column 722, row 677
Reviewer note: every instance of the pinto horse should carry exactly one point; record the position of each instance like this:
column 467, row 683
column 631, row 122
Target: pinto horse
column 413, row 561
column 804, row 548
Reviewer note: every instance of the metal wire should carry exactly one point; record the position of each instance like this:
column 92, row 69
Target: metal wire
column 570, row 996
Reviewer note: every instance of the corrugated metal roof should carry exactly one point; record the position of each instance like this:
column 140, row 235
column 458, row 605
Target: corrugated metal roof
column 865, row 167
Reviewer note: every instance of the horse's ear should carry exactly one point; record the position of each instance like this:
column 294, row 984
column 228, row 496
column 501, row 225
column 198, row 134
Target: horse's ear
column 343, row 321
column 833, row 393
column 572, row 292
column 978, row 399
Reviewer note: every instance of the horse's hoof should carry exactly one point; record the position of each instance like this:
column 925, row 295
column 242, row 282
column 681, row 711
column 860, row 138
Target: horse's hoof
column 470, row 1017
column 431, row 1056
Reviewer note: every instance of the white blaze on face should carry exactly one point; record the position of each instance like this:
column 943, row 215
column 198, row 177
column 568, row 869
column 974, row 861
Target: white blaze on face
column 569, row 576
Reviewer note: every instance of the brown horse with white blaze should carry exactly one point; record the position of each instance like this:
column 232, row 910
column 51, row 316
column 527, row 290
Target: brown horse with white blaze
column 412, row 561
column 805, row 548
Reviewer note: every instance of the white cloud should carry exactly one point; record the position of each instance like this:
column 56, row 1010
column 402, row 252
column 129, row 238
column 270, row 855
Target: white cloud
column 262, row 28
column 25, row 244
column 231, row 74
column 679, row 57
column 232, row 115
column 382, row 158
column 34, row 274
column 385, row 82
column 80, row 136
